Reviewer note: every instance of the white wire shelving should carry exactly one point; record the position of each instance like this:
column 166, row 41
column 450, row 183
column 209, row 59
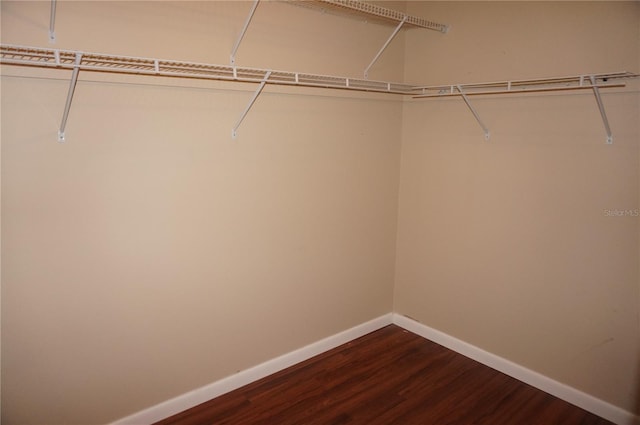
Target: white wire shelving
column 376, row 12
column 573, row 82
column 98, row 62
column 77, row 61
column 87, row 61
column 593, row 82
column 371, row 12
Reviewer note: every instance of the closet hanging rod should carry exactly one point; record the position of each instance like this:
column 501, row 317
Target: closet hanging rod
column 65, row 59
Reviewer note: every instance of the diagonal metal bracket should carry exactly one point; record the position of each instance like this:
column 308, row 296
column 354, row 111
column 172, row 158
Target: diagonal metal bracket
column 395, row 32
column 72, row 89
column 605, row 121
column 475, row 113
column 234, row 131
column 52, row 22
column 242, row 33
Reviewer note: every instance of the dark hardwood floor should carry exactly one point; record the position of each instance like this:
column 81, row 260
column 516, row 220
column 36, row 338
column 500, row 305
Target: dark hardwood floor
column 390, row 376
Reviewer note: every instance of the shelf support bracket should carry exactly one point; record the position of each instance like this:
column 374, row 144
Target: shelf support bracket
column 395, row 32
column 72, row 89
column 244, row 30
column 234, row 132
column 52, row 23
column 474, row 112
column 605, row 121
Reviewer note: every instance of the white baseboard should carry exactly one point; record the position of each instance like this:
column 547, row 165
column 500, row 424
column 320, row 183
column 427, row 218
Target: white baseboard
column 578, row 398
column 230, row 383
column 193, row 398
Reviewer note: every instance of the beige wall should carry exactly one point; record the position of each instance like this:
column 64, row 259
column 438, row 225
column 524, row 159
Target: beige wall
column 150, row 254
column 506, row 244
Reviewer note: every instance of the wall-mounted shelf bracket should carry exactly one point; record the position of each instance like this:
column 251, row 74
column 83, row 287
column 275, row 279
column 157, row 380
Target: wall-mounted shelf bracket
column 386, row 44
column 605, row 121
column 487, row 135
column 374, row 12
column 72, row 89
column 234, row 132
column 244, row 30
column 52, row 22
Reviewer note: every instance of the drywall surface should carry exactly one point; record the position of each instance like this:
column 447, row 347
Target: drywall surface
column 527, row 245
column 151, row 254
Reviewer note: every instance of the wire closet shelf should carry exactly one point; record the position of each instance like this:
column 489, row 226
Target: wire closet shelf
column 86, row 61
column 573, row 82
column 97, row 62
column 376, row 12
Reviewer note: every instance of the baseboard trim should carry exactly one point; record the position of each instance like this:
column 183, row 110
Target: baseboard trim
column 190, row 399
column 576, row 397
column 230, row 383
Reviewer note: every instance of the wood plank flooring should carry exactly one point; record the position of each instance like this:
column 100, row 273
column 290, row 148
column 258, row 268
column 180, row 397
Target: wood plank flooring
column 390, row 376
